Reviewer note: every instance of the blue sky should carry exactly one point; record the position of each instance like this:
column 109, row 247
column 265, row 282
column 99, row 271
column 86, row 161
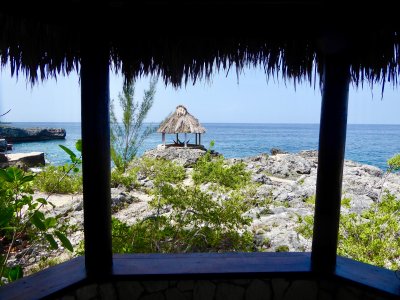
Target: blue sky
column 251, row 99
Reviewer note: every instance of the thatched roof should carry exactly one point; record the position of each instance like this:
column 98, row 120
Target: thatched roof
column 181, row 121
column 286, row 38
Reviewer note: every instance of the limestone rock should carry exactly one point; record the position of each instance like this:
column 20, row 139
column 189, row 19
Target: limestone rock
column 24, row 160
column 183, row 156
column 18, row 135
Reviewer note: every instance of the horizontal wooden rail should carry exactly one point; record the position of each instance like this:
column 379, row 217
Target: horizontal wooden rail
column 66, row 276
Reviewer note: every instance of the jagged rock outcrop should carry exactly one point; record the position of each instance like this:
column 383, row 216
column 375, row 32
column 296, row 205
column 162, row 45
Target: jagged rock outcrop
column 18, row 135
column 183, row 156
column 3, row 145
column 285, row 186
column 22, row 160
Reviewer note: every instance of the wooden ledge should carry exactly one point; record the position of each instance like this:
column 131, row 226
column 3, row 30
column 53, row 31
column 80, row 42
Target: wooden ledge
column 368, row 275
column 201, row 265
column 47, row 282
column 212, row 264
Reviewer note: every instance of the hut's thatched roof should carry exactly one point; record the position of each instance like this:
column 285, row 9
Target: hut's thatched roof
column 181, row 121
column 286, row 38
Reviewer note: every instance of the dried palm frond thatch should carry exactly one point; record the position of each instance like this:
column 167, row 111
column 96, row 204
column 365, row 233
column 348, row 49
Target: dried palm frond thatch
column 181, row 121
column 285, row 38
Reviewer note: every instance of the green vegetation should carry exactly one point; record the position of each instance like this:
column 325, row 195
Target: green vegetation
column 310, row 200
column 53, row 180
column 394, row 163
column 22, row 222
column 64, row 179
column 371, row 237
column 161, row 170
column 346, row 202
column 213, row 169
column 282, row 248
column 157, row 169
column 128, row 179
column 127, row 136
column 194, row 223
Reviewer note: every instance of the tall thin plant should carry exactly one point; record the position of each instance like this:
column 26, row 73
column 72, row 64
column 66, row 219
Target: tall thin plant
column 128, row 134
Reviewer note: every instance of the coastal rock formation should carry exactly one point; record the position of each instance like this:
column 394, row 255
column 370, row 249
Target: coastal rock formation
column 284, row 193
column 22, row 160
column 18, row 135
column 183, row 156
column 3, row 145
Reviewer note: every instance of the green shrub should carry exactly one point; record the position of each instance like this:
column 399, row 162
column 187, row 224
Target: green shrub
column 161, row 170
column 22, row 221
column 209, row 169
column 194, row 223
column 282, row 248
column 127, row 178
column 372, row 237
column 394, row 163
column 64, row 179
column 55, row 179
column 310, row 200
column 346, row 202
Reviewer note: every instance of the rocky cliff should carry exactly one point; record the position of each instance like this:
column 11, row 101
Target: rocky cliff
column 18, row 135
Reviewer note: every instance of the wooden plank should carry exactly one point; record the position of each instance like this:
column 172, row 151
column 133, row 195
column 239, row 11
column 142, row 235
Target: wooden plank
column 55, row 279
column 96, row 156
column 332, row 140
column 368, row 276
column 46, row 282
column 210, row 263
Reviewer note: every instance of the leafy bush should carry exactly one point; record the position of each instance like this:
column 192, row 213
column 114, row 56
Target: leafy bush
column 394, row 163
column 194, row 223
column 64, row 179
column 127, row 178
column 209, row 169
column 282, row 248
column 372, row 237
column 161, row 170
column 54, row 179
column 21, row 220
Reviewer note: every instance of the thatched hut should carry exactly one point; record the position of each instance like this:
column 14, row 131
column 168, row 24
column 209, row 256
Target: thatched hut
column 181, row 121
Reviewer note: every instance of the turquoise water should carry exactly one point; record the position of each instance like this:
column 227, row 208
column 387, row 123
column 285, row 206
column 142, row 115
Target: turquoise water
column 370, row 144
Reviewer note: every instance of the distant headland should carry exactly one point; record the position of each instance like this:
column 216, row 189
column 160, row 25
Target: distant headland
column 22, row 135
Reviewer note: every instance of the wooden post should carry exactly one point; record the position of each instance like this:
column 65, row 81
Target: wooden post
column 177, row 138
column 332, row 140
column 199, row 138
column 96, row 157
column 163, row 138
column 196, row 138
column 185, row 140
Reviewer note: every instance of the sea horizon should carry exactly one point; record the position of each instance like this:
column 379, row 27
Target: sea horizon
column 369, row 144
column 244, row 123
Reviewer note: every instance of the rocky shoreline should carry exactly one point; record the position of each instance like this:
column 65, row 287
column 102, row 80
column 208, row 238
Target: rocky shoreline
column 21, row 135
column 285, row 185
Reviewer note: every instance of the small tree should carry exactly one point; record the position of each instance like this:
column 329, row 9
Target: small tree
column 127, row 136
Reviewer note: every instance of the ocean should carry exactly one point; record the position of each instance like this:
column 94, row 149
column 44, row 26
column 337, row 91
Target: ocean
column 369, row 144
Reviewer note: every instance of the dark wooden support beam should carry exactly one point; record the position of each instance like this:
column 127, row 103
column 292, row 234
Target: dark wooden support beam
column 332, row 139
column 96, row 157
